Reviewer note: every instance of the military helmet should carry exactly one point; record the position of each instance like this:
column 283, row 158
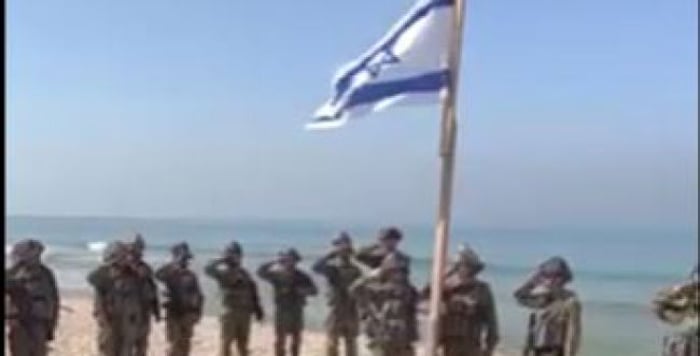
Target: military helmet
column 114, row 252
column 233, row 248
column 27, row 249
column 181, row 251
column 390, row 233
column 468, row 257
column 557, row 266
column 343, row 239
column 392, row 262
column 290, row 253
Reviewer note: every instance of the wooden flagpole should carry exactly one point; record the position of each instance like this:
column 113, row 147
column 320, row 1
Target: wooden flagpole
column 448, row 139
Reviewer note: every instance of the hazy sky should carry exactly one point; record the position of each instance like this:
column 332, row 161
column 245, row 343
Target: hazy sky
column 572, row 113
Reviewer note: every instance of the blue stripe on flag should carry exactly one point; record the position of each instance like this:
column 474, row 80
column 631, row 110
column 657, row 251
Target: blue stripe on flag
column 344, row 82
column 376, row 92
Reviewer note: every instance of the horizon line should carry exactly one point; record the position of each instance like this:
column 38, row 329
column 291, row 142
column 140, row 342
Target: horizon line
column 340, row 221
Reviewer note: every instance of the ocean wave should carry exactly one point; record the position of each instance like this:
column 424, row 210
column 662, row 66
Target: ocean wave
column 96, row 246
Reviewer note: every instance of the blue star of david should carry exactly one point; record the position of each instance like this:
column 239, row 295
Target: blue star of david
column 386, row 57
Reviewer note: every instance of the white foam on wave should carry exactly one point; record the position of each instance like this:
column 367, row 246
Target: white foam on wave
column 97, row 246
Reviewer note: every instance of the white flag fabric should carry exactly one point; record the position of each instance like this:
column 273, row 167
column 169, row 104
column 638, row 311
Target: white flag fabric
column 408, row 65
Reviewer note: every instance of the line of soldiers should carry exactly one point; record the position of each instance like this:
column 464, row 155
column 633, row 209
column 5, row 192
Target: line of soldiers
column 382, row 303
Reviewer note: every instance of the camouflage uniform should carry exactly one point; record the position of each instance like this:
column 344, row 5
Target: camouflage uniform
column 119, row 305
column 149, row 294
column 291, row 288
column 185, row 301
column 387, row 303
column 34, row 301
column 554, row 327
column 340, row 272
column 373, row 255
column 239, row 298
column 678, row 306
column 468, row 324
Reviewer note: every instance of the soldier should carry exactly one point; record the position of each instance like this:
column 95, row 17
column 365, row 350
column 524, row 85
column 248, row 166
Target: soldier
column 340, row 272
column 185, row 300
column 387, row 304
column 388, row 242
column 291, row 287
column 678, row 306
column 239, row 298
column 554, row 327
column 468, row 323
column 149, row 293
column 119, row 305
column 34, row 300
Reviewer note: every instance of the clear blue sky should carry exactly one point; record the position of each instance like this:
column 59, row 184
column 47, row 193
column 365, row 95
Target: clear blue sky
column 573, row 113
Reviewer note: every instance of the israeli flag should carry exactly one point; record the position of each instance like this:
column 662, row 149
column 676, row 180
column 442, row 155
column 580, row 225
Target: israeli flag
column 407, row 66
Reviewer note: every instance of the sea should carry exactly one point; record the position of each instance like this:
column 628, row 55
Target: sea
column 617, row 270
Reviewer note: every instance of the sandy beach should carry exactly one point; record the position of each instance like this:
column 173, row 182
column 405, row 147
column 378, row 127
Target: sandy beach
column 76, row 335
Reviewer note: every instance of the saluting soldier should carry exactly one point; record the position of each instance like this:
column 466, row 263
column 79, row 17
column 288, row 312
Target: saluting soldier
column 291, row 288
column 388, row 243
column 183, row 307
column 554, row 327
column 469, row 325
column 387, row 302
column 678, row 306
column 34, row 300
column 340, row 272
column 120, row 308
column 149, row 293
column 240, row 300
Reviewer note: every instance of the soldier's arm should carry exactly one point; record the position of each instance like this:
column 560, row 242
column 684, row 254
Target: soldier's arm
column 308, row 287
column 265, row 273
column 55, row 297
column 492, row 335
column 147, row 273
column 524, row 296
column 667, row 314
column 367, row 256
column 155, row 302
column 573, row 332
column 98, row 279
column 200, row 297
column 212, row 269
column 163, row 273
column 667, row 308
column 95, row 278
column 321, row 266
column 258, row 309
column 407, row 260
column 413, row 314
column 10, row 283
